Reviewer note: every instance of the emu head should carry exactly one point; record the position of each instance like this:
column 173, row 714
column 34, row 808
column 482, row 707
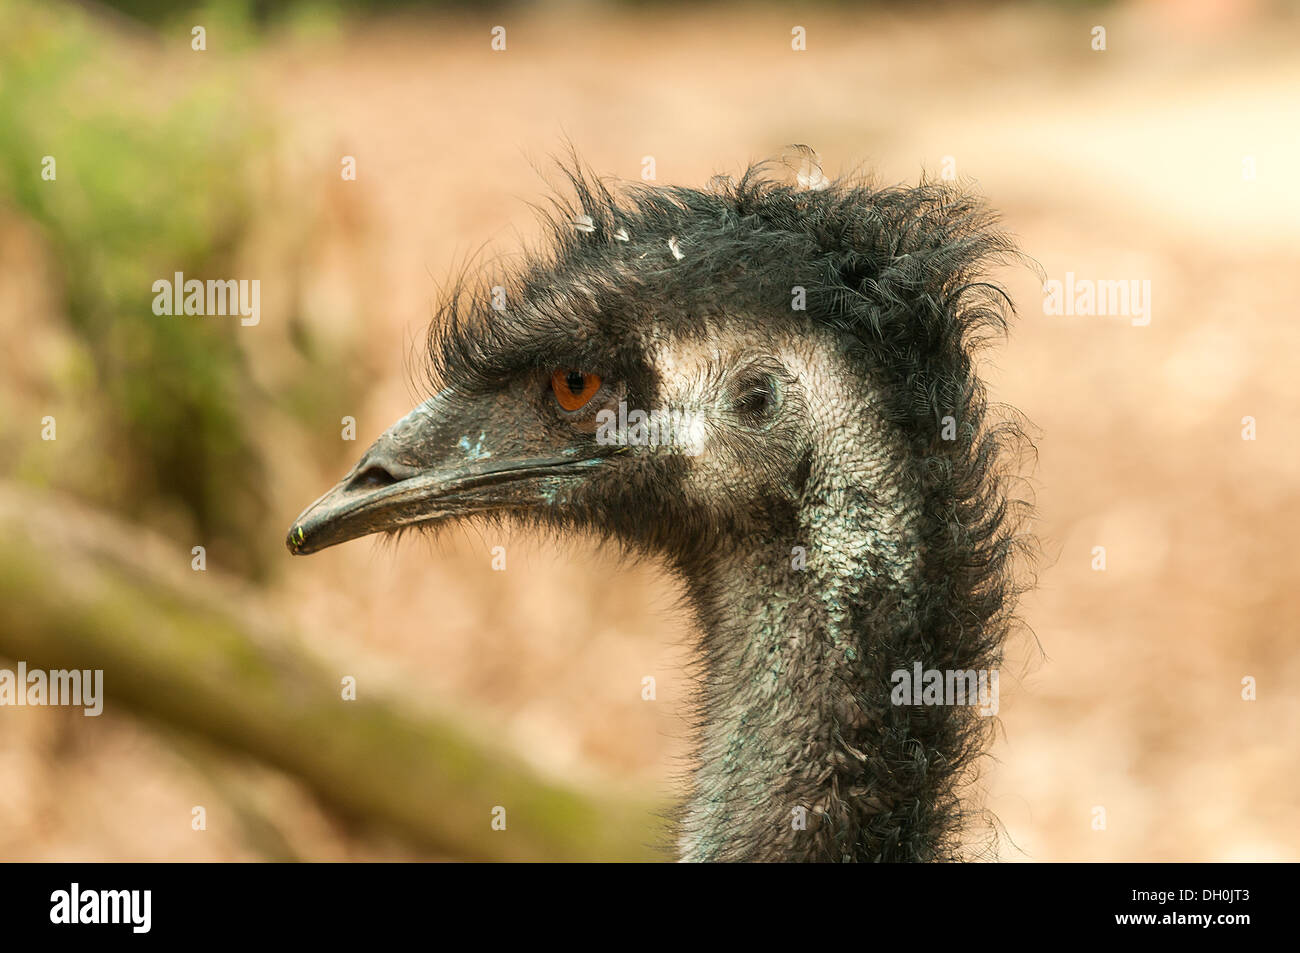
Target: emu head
column 681, row 362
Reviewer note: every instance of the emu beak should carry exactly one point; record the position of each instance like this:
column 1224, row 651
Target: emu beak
column 451, row 456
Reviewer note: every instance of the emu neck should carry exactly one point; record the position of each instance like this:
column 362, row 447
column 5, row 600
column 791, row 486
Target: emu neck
column 796, row 729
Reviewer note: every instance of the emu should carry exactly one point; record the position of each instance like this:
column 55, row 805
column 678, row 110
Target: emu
column 841, row 512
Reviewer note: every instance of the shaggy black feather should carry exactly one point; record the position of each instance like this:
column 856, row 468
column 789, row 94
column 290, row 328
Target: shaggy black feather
column 899, row 272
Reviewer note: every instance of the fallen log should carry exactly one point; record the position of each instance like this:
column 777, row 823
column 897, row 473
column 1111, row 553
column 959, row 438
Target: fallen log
column 82, row 590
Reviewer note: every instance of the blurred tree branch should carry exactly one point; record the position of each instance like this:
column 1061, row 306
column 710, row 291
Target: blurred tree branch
column 83, row 590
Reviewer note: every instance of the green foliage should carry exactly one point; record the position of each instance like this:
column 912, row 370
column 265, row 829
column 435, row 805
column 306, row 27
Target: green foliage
column 151, row 180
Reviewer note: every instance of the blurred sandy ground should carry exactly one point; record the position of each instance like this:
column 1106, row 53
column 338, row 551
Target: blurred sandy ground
column 1118, row 164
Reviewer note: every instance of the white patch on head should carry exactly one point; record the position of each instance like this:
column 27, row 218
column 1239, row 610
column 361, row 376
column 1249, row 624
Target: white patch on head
column 784, row 642
column 683, row 369
column 851, row 438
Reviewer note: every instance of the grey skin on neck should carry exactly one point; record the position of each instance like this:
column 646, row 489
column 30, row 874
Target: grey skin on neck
column 798, row 640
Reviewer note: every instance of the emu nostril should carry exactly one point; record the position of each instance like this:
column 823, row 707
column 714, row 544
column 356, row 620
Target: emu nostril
column 371, row 477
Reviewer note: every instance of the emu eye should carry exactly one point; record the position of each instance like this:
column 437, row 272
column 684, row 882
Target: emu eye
column 574, row 389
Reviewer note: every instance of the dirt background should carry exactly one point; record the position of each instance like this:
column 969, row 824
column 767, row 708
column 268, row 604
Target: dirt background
column 1126, row 163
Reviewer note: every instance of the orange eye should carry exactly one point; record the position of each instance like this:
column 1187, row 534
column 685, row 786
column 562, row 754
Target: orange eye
column 574, row 389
